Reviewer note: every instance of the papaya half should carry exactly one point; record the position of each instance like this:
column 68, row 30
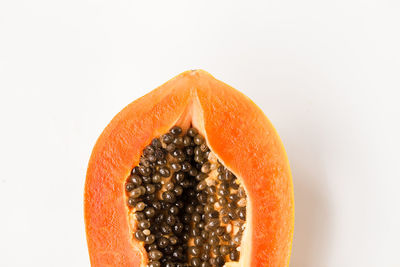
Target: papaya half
column 191, row 174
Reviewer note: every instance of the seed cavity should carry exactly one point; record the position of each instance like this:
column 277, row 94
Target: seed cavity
column 189, row 209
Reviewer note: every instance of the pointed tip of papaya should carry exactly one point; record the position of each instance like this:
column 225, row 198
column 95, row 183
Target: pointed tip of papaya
column 195, row 73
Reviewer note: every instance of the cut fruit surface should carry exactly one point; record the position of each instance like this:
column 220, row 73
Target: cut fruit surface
column 199, row 145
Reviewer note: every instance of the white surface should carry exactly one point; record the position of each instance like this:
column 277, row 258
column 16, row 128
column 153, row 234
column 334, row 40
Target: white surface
column 325, row 72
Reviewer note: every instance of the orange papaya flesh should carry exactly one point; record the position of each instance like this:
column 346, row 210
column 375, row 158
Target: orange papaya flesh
column 240, row 138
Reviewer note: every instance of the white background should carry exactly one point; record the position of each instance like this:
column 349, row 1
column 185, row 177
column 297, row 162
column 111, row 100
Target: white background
column 325, row 72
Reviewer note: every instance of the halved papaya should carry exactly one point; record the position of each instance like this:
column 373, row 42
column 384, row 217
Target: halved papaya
column 191, row 174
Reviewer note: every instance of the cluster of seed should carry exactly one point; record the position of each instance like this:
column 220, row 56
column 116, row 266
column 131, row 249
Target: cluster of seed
column 189, row 209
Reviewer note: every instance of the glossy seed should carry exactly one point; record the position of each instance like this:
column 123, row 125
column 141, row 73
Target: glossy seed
column 194, row 251
column 198, row 158
column 146, row 179
column 179, row 204
column 189, row 151
column 195, row 261
column 234, row 197
column 186, row 166
column 202, row 198
column 234, row 255
column 201, row 224
column 144, row 224
column 192, row 132
column 149, row 198
column 148, row 150
column 178, row 190
column 163, row 242
column 135, row 170
column 220, row 231
column 156, row 143
column 161, row 162
column 176, row 166
column 208, row 208
column 219, row 260
column 156, row 178
column 173, row 210
column 136, row 180
column 181, row 158
column 213, row 224
column 170, row 220
column 160, row 155
column 145, row 171
column 201, row 176
column 232, row 215
column 178, row 141
column 223, row 192
column 226, row 237
column 178, row 177
column 156, row 205
column 169, row 196
column 201, row 186
column 198, row 241
column 140, row 216
column 187, row 141
column 241, row 192
column 211, row 199
column 234, row 186
column 204, row 257
column 199, row 209
column 178, row 228
column 212, row 262
column 137, row 192
column 173, row 240
column 242, row 213
column 155, row 254
column 129, row 187
column 206, row 168
column 167, row 138
column 176, row 130
column 224, row 249
column 169, row 250
column 212, row 214
column 196, row 217
column 150, row 212
column 177, row 152
column 144, row 162
column 225, row 219
column 169, row 186
column 132, row 202
column 211, row 190
column 150, row 188
column 203, row 147
column 152, row 158
column 190, row 209
column 204, row 234
column 166, row 229
column 228, row 176
column 195, row 232
column 140, row 235
column 149, row 239
column 198, row 139
column 213, row 241
column 164, row 171
column 216, row 250
column 177, row 255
